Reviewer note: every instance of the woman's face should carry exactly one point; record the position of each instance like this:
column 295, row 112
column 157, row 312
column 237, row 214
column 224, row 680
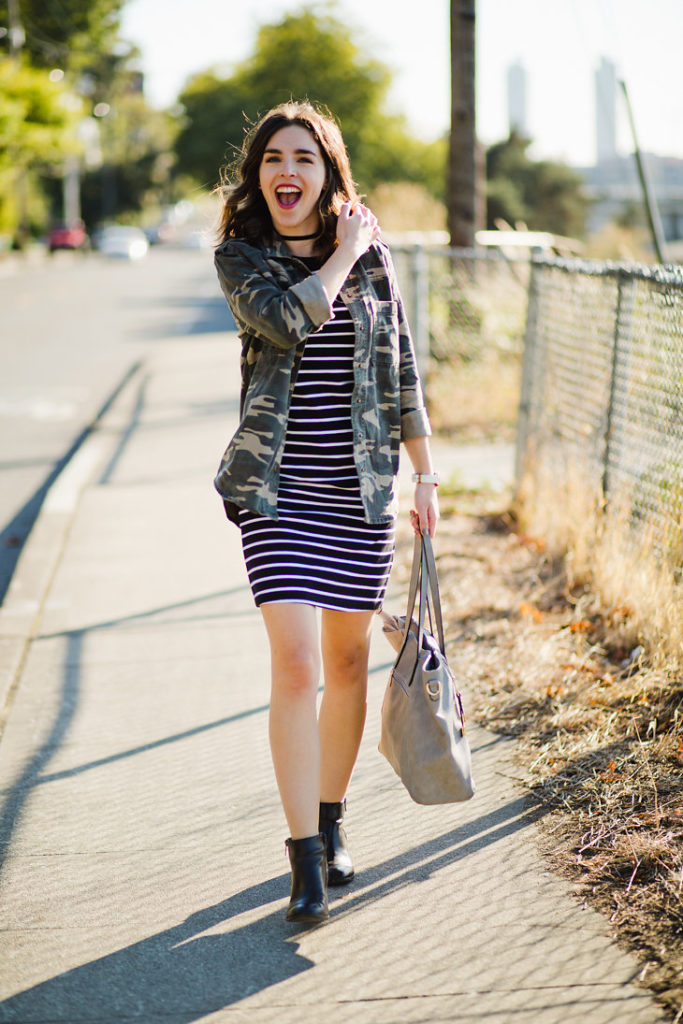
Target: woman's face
column 292, row 176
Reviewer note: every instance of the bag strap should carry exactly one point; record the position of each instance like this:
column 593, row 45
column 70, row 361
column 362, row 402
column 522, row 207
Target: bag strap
column 424, row 596
column 429, row 563
column 415, row 573
column 423, row 577
column 415, row 581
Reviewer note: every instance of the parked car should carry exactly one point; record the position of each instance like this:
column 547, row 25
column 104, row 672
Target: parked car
column 117, row 240
column 67, row 236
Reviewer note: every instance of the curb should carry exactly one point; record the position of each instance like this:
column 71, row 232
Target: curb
column 41, row 555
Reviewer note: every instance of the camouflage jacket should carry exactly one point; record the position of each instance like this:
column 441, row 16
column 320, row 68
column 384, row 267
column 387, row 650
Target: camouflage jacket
column 277, row 302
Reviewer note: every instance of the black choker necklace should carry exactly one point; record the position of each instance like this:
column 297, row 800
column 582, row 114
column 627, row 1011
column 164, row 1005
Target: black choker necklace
column 299, row 238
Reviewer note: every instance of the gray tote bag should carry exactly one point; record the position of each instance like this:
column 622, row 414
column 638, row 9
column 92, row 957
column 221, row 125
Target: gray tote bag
column 423, row 723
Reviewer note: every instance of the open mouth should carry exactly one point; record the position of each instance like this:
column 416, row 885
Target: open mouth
column 287, row 196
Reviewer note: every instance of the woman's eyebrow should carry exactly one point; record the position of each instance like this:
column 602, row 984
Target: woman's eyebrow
column 308, row 152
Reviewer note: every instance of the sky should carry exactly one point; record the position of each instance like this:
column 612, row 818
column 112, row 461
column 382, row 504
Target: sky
column 558, row 42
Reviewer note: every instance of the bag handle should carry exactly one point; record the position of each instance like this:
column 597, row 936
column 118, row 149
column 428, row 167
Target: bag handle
column 415, row 575
column 423, row 577
column 430, row 562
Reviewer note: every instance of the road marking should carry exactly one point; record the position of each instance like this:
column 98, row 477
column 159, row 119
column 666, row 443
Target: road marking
column 57, row 410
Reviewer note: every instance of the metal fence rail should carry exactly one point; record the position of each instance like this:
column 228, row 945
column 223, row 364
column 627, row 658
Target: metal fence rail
column 602, row 386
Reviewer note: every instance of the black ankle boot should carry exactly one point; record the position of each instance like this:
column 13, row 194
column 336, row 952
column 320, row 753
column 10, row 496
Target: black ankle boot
column 308, row 901
column 339, row 867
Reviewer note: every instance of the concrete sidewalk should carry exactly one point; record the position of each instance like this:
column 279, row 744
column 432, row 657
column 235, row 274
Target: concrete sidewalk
column 144, row 875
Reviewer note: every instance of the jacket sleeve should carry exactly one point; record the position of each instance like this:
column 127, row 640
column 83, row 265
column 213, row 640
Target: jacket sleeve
column 414, row 416
column 259, row 303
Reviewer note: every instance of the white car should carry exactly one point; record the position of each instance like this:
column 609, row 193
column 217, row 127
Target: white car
column 124, row 242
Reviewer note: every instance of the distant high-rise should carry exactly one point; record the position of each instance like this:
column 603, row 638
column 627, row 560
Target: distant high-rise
column 606, row 111
column 517, row 121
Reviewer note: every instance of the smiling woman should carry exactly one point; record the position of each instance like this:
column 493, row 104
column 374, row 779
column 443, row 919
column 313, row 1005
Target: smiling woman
column 291, row 178
column 329, row 392
column 301, row 154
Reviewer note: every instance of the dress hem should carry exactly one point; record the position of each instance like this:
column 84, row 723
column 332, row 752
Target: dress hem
column 377, row 607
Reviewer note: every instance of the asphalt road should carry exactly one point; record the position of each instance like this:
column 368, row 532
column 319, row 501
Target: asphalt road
column 72, row 328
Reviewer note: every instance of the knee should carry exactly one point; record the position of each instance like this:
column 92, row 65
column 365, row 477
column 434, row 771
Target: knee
column 348, row 664
column 296, row 672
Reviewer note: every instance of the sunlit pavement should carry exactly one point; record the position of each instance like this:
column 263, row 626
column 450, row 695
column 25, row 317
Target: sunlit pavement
column 144, row 874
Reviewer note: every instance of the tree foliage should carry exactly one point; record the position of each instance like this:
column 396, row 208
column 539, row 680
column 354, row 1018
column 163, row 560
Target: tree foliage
column 545, row 195
column 213, row 127
column 79, row 41
column 136, row 149
column 65, row 33
column 309, row 55
column 37, row 129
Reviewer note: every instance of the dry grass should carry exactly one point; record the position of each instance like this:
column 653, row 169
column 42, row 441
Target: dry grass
column 601, row 548
column 455, row 392
column 477, row 317
column 570, row 663
column 406, row 206
column 614, row 242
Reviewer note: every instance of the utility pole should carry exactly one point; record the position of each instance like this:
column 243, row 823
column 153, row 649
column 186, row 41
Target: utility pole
column 465, row 197
column 17, row 38
column 651, row 209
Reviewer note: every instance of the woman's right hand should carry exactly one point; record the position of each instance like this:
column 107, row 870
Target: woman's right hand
column 357, row 228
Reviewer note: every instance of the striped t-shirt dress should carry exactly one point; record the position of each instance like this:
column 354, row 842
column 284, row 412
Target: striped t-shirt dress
column 320, row 551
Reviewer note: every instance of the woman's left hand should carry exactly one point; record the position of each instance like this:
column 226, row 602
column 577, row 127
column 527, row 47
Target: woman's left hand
column 424, row 517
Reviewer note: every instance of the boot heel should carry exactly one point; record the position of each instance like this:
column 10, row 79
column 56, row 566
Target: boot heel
column 308, row 901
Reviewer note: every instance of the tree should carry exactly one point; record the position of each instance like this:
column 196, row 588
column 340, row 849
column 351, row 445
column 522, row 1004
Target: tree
column 330, row 69
column 65, row 34
column 137, row 160
column 212, row 127
column 546, row 195
column 37, row 129
column 77, row 40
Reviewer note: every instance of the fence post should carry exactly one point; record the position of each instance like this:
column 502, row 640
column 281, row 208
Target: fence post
column 528, row 370
column 421, row 312
column 623, row 330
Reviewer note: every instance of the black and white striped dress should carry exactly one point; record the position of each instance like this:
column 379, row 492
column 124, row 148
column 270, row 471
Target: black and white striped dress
column 320, row 550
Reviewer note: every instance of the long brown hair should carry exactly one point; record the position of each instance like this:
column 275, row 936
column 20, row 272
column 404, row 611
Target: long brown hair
column 245, row 213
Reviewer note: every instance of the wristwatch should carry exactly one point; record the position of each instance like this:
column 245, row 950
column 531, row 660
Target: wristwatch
column 426, row 478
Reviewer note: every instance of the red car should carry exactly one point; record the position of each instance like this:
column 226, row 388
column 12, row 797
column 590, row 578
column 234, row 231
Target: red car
column 67, row 236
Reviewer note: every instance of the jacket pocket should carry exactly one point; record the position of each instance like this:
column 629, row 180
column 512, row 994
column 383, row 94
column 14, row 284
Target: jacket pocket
column 385, row 333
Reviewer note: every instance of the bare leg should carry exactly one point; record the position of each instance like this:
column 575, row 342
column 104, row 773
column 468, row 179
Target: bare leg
column 345, row 649
column 294, row 743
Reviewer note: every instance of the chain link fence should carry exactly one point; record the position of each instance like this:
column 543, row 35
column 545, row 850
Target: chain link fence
column 599, row 386
column 467, row 311
column 602, row 387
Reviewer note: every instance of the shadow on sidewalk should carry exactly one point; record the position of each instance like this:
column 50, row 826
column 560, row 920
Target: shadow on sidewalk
column 14, row 534
column 32, row 774
column 191, row 412
column 182, row 975
column 178, row 974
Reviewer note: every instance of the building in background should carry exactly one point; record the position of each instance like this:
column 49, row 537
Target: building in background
column 606, row 111
column 613, row 184
column 517, row 99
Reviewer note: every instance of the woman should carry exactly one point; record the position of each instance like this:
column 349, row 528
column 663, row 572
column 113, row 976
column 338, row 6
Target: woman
column 329, row 391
